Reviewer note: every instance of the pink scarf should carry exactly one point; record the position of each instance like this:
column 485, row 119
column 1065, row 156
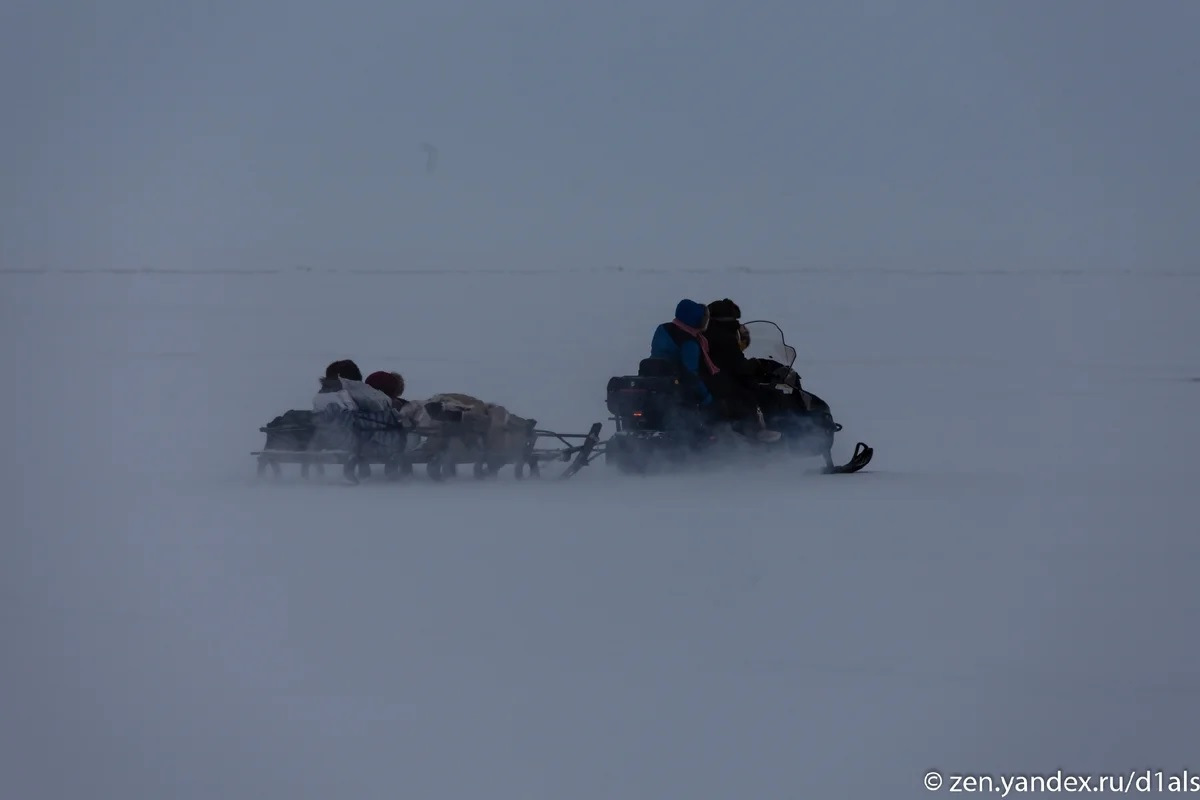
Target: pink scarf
column 703, row 343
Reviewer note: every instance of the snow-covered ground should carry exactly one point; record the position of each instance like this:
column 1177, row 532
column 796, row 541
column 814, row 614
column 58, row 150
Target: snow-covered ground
column 1009, row 587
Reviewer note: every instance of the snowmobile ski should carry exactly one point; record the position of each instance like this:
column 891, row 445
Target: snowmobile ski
column 862, row 456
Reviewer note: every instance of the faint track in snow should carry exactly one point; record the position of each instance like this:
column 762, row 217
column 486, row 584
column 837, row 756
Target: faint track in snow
column 616, row 270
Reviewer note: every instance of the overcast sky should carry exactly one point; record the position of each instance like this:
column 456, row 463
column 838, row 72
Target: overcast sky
column 235, row 133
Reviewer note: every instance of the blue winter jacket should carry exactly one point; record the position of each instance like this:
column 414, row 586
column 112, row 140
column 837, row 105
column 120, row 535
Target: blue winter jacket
column 688, row 355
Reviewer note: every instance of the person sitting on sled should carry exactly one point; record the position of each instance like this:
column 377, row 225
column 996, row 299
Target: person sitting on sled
column 682, row 341
column 392, row 385
column 343, row 387
column 346, row 408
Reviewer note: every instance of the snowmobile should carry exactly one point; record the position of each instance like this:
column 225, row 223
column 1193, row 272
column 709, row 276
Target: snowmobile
column 659, row 425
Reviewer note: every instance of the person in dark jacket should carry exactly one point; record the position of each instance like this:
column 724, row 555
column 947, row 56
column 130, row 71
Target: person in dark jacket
column 745, row 376
column 724, row 345
column 728, row 340
column 683, row 341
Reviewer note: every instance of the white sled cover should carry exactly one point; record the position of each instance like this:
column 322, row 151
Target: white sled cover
column 500, row 431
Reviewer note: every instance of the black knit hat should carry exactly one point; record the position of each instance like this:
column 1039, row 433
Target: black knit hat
column 344, row 369
column 390, row 383
column 724, row 310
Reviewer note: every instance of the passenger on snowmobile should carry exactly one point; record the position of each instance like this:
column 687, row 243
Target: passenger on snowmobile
column 682, row 342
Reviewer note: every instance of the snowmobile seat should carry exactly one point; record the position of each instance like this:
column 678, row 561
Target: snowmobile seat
column 658, row 368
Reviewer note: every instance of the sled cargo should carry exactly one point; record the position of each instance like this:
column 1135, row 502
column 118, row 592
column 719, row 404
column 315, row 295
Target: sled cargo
column 301, row 438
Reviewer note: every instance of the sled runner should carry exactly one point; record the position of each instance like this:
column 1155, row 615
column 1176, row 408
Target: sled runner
column 660, row 426
column 356, row 441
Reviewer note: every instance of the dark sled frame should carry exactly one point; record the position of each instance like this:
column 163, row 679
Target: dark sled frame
column 435, row 451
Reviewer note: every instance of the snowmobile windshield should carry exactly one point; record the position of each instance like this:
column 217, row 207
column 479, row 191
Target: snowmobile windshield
column 766, row 341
